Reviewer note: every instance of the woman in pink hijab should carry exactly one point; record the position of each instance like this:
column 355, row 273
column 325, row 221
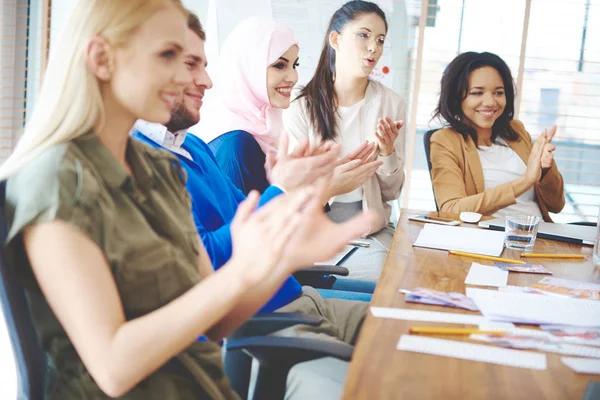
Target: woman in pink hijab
column 255, row 78
column 257, row 71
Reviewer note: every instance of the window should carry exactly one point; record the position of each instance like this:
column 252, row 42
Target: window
column 22, row 46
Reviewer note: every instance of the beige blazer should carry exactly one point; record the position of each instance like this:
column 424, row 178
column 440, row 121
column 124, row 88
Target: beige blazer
column 386, row 184
column 458, row 183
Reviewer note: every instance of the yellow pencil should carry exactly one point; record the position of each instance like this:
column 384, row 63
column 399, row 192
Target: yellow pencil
column 500, row 259
column 532, row 255
column 452, row 331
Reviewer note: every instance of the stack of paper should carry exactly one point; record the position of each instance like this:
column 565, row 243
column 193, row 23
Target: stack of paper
column 470, row 240
column 535, row 309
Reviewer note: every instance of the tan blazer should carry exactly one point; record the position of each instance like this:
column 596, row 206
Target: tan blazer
column 458, row 183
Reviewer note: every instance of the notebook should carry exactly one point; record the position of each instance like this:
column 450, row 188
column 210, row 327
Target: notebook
column 576, row 234
column 470, row 240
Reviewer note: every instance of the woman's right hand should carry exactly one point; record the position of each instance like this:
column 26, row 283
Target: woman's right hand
column 354, row 170
column 260, row 236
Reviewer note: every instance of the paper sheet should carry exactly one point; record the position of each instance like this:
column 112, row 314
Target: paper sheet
column 484, row 275
column 470, row 240
column 474, row 352
column 496, row 326
column 540, row 343
column 535, row 309
column 582, row 365
column 429, row 316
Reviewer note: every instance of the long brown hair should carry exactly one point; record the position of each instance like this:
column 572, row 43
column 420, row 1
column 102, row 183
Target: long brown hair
column 319, row 93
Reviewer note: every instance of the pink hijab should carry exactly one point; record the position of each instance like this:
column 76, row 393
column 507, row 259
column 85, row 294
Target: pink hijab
column 242, row 102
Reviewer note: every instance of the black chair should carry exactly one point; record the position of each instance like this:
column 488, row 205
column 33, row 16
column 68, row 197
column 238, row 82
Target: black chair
column 29, row 357
column 275, row 355
column 427, row 145
column 273, row 371
column 31, row 360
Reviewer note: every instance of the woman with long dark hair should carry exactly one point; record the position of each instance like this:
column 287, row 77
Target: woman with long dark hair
column 484, row 160
column 341, row 103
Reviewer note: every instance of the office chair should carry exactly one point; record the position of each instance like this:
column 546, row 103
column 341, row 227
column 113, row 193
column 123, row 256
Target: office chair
column 275, row 355
column 29, row 358
column 427, row 145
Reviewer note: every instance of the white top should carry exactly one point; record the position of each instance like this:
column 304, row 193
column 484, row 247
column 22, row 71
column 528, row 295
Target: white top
column 386, row 183
column 501, row 165
column 349, row 125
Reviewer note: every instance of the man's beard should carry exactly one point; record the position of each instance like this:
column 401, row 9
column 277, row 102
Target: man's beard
column 181, row 118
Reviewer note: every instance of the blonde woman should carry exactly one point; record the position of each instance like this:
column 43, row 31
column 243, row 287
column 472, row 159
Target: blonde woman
column 100, row 229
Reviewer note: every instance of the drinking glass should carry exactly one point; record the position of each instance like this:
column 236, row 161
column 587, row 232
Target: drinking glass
column 521, row 231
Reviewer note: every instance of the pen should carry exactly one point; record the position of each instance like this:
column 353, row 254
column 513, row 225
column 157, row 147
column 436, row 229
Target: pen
column 360, row 244
column 500, row 259
column 452, row 331
column 532, row 255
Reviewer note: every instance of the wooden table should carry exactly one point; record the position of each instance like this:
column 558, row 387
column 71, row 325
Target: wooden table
column 379, row 371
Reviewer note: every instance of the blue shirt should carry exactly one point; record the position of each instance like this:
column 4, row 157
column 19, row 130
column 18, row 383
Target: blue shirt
column 241, row 159
column 214, row 202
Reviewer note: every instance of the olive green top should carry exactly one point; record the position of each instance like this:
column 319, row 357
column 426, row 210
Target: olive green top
column 144, row 227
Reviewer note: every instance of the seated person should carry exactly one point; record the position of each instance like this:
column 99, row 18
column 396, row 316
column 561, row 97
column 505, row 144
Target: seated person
column 240, row 157
column 215, row 201
column 484, row 161
column 252, row 93
column 214, row 198
column 100, row 230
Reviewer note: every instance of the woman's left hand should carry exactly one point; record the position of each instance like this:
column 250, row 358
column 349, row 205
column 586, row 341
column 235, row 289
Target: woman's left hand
column 386, row 133
column 547, row 153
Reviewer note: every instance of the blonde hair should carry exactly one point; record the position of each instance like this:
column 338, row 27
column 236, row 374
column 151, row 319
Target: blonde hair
column 69, row 103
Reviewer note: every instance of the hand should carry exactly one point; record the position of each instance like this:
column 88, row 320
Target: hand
column 318, row 238
column 301, row 167
column 363, row 152
column 533, row 173
column 547, row 152
column 386, row 133
column 351, row 175
column 260, row 237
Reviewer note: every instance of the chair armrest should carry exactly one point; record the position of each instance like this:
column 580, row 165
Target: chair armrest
column 266, row 323
column 273, row 349
column 320, row 270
